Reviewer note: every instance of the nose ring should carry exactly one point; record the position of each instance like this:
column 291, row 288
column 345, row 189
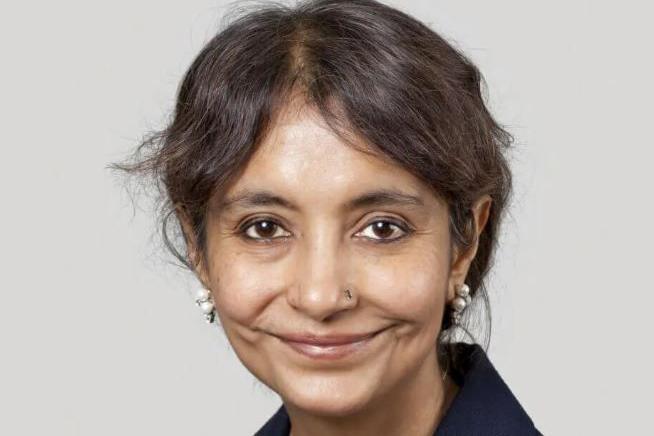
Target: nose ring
column 348, row 294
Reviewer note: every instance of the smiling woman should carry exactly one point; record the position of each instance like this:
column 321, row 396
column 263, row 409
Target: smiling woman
column 339, row 185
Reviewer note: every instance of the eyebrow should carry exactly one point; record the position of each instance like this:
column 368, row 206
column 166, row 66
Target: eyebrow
column 381, row 197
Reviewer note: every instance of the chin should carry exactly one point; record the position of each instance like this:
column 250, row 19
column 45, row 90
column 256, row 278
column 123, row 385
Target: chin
column 327, row 395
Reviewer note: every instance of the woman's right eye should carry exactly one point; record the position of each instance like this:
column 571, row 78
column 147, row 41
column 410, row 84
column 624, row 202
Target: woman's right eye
column 263, row 230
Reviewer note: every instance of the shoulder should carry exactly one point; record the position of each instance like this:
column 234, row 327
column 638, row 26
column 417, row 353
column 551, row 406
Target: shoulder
column 484, row 403
column 277, row 425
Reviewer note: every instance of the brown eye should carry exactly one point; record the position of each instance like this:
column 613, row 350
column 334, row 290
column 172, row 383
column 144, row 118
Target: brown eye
column 384, row 230
column 264, row 229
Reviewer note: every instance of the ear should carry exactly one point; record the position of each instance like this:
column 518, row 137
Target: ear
column 195, row 258
column 461, row 260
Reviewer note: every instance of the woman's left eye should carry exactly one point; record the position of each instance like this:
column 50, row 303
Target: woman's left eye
column 383, row 231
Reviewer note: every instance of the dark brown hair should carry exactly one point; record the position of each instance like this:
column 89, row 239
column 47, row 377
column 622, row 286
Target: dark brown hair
column 373, row 72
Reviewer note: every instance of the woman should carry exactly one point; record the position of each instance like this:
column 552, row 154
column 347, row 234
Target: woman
column 340, row 185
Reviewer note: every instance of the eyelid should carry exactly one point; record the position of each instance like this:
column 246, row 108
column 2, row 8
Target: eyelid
column 242, row 229
column 401, row 224
column 249, row 222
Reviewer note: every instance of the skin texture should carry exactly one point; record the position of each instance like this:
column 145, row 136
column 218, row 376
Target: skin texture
column 295, row 282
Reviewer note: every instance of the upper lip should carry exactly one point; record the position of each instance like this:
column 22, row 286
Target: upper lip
column 333, row 339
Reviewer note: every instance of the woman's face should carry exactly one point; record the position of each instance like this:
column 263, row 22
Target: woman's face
column 309, row 218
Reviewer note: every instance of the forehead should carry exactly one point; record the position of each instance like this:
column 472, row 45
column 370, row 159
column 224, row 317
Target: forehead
column 302, row 159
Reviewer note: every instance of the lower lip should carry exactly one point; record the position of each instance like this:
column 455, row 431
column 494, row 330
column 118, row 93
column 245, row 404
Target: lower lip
column 330, row 352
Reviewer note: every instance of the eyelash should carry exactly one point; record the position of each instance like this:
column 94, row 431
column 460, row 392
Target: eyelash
column 242, row 231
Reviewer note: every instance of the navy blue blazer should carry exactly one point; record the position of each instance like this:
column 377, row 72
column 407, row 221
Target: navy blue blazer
column 484, row 404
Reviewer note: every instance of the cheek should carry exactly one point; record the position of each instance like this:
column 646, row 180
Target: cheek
column 241, row 288
column 411, row 288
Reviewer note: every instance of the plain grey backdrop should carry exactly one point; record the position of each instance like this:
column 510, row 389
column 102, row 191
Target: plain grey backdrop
column 99, row 336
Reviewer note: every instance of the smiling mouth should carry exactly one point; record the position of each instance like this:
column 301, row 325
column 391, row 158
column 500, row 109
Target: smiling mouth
column 327, row 349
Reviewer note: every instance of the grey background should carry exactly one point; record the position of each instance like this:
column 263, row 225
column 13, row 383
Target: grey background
column 99, row 336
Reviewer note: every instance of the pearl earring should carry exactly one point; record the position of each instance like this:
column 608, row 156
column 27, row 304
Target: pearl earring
column 204, row 301
column 459, row 303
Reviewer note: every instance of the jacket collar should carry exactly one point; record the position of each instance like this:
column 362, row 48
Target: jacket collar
column 484, row 403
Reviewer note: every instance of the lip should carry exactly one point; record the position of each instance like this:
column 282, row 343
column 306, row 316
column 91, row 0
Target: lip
column 329, row 347
column 326, row 340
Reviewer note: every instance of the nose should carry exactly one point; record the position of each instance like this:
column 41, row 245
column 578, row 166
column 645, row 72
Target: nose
column 319, row 290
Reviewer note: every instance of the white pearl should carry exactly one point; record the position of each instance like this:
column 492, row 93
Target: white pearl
column 202, row 294
column 206, row 306
column 459, row 304
column 464, row 290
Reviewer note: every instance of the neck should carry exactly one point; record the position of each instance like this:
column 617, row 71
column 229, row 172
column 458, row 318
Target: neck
column 414, row 407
